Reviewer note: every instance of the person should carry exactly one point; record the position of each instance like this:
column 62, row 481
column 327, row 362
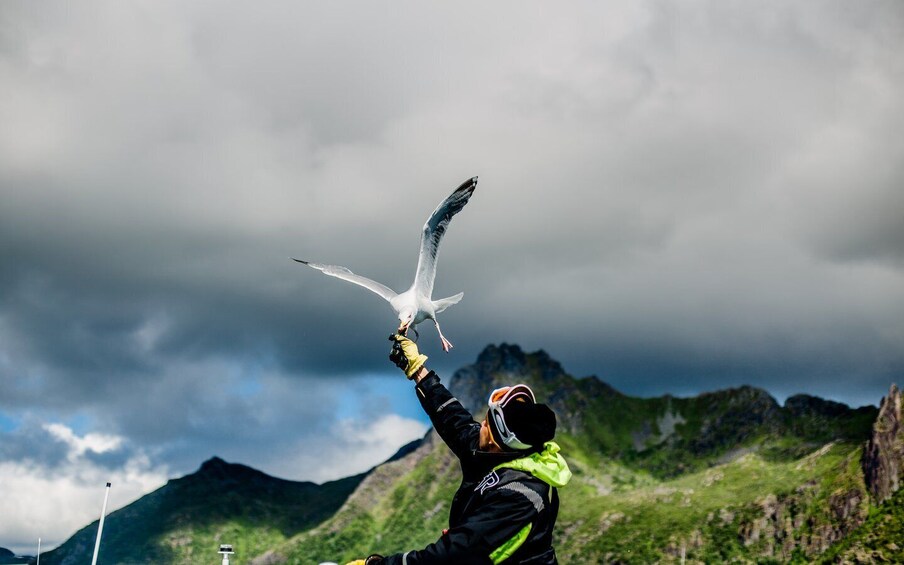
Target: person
column 507, row 504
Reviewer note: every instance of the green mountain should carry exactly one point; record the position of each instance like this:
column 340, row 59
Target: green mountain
column 723, row 476
column 185, row 520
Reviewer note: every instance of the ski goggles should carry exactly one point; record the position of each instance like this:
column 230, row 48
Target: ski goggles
column 499, row 399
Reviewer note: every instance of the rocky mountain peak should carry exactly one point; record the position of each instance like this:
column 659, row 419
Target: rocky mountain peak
column 216, row 470
column 213, row 464
column 502, row 357
column 511, row 359
column 500, row 365
column 883, row 459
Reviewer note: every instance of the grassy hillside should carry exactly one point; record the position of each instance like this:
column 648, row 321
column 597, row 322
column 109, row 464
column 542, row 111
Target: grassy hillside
column 750, row 508
column 402, row 504
column 610, row 512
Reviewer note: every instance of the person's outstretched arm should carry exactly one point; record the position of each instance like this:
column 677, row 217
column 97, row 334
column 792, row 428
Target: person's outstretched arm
column 452, row 421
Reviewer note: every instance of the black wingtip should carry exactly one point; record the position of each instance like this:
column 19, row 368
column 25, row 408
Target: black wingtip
column 299, row 260
column 471, row 183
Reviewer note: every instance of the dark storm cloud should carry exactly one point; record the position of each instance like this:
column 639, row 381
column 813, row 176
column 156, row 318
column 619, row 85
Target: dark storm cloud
column 31, row 442
column 39, row 446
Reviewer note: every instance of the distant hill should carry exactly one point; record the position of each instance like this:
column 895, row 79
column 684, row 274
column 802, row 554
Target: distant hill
column 7, row 557
column 727, row 475
column 185, row 520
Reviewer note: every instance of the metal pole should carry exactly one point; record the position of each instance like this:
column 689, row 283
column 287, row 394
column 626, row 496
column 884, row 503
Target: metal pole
column 39, row 552
column 100, row 527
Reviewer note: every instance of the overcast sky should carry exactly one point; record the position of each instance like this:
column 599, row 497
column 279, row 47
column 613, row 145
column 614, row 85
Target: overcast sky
column 673, row 197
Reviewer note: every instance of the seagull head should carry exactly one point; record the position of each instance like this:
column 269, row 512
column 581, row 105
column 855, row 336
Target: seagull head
column 406, row 317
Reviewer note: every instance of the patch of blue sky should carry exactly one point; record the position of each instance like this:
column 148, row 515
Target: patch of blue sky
column 244, row 381
column 249, row 386
column 80, row 424
column 8, row 423
column 376, row 394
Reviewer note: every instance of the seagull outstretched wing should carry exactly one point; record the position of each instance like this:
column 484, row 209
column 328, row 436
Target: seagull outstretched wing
column 346, row 275
column 433, row 233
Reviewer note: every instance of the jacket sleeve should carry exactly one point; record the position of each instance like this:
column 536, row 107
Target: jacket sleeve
column 503, row 521
column 451, row 420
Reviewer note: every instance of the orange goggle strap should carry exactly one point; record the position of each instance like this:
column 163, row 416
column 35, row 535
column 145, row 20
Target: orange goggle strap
column 499, row 399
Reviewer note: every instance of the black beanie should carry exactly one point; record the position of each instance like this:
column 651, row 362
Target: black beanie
column 533, row 424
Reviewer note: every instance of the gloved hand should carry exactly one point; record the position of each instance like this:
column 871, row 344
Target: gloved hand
column 405, row 355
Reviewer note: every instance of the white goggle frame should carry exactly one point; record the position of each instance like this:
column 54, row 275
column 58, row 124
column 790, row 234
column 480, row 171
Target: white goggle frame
column 508, row 437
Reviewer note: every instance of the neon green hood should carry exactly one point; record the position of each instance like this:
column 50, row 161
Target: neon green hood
column 547, row 465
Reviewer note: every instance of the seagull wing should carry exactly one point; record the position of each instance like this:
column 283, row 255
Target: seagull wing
column 434, row 230
column 346, row 275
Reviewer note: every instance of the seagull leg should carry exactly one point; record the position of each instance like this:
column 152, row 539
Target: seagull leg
column 447, row 345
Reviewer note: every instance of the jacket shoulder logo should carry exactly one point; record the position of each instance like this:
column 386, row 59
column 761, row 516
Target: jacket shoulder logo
column 489, row 481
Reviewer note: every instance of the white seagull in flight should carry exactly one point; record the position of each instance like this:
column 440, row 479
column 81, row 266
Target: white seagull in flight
column 415, row 304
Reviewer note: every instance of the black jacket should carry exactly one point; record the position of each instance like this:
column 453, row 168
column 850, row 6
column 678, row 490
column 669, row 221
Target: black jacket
column 492, row 509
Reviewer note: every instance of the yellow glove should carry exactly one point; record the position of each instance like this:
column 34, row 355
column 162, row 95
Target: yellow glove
column 405, row 355
column 371, row 560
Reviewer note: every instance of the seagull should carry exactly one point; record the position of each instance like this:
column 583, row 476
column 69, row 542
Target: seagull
column 415, row 304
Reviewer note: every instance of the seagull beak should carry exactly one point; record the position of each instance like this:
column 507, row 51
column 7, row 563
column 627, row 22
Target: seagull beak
column 403, row 327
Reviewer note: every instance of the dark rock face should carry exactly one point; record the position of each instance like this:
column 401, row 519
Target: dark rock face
column 507, row 364
column 883, row 459
column 498, row 366
column 785, row 526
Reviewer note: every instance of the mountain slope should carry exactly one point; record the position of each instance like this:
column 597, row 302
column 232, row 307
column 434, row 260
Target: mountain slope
column 186, row 519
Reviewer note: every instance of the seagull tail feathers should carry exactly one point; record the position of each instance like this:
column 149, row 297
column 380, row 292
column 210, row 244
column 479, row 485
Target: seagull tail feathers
column 443, row 303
